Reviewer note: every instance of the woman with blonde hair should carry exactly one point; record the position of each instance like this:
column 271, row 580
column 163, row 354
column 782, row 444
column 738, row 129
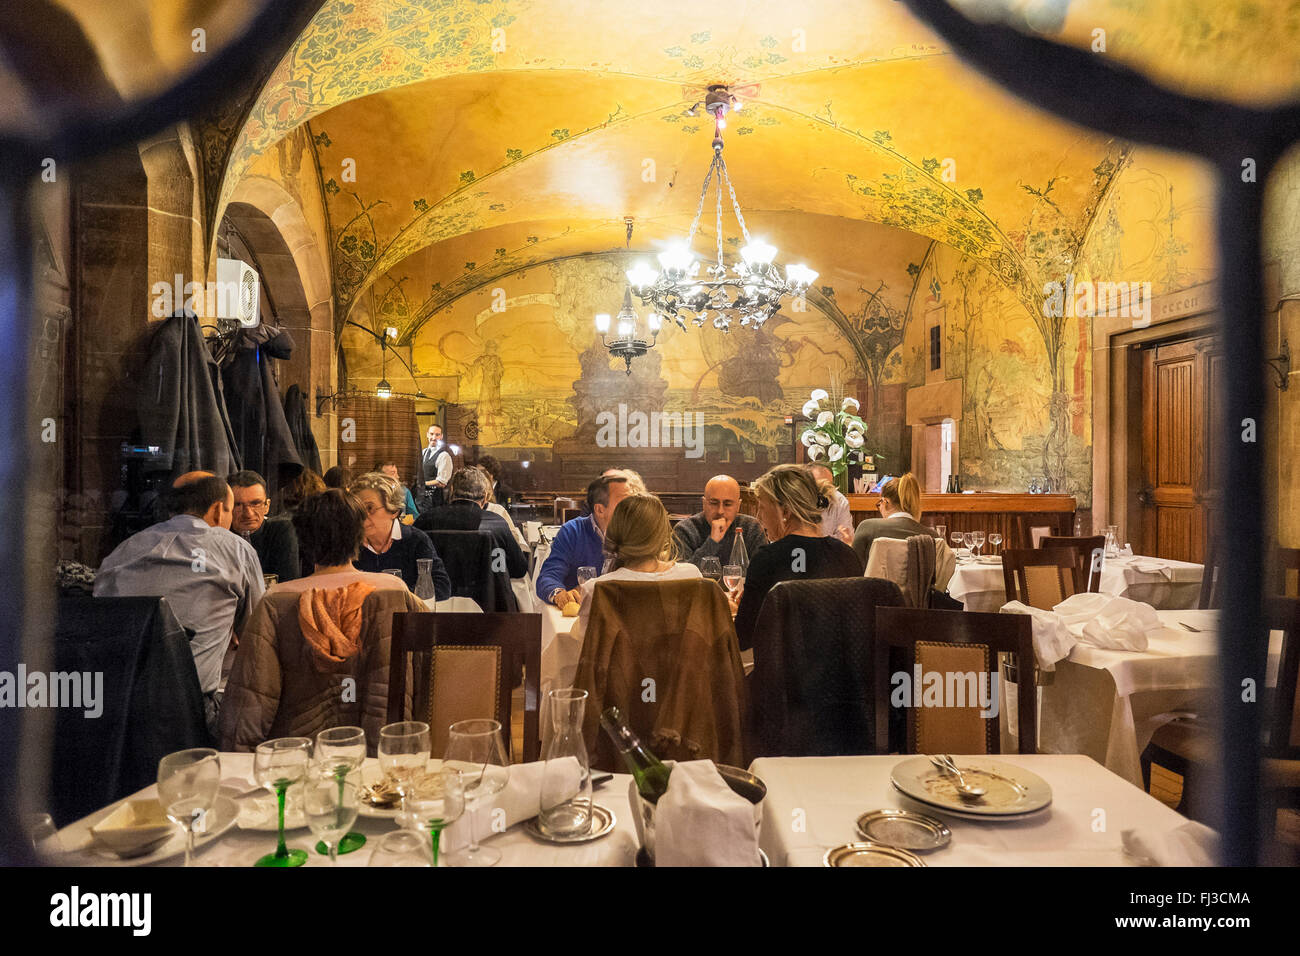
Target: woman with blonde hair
column 900, row 516
column 790, row 506
column 639, row 545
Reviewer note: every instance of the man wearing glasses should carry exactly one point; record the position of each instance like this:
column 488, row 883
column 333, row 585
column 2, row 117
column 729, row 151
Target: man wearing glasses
column 274, row 539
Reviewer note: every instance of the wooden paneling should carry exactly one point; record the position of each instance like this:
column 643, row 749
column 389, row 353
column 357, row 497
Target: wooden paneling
column 985, row 512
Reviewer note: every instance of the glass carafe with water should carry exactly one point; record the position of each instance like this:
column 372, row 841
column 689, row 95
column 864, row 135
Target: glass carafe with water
column 424, row 589
column 565, row 806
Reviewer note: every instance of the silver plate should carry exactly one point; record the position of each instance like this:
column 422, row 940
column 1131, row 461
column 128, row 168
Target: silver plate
column 869, row 854
column 1013, row 792
column 602, row 824
column 904, row 830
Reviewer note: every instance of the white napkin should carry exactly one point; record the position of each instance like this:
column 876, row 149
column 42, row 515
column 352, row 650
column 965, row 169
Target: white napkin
column 1152, row 566
column 1192, row 844
column 1110, row 622
column 700, row 821
column 519, row 801
column 1052, row 639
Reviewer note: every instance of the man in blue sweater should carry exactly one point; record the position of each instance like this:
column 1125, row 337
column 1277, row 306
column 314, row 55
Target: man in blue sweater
column 580, row 542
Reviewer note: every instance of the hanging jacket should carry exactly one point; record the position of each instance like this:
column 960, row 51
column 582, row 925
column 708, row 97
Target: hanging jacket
column 295, row 412
column 180, row 403
column 256, row 412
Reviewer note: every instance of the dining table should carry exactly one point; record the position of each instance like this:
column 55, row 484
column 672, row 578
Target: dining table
column 979, row 585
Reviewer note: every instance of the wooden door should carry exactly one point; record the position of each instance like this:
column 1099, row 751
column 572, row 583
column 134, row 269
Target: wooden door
column 1180, row 471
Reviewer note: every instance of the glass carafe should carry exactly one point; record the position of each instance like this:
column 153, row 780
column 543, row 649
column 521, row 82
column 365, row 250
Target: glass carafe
column 424, row 589
column 565, row 809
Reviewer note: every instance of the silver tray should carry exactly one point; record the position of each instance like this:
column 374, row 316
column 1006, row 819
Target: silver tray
column 869, row 854
column 903, row 830
column 602, row 824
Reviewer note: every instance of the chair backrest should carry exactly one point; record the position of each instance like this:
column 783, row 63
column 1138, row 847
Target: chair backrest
column 469, row 561
column 1030, row 531
column 1284, row 715
column 666, row 654
column 450, row 667
column 812, row 692
column 957, row 652
column 1210, row 597
column 1038, row 577
column 1288, row 560
column 569, row 514
column 1087, row 558
column 893, row 559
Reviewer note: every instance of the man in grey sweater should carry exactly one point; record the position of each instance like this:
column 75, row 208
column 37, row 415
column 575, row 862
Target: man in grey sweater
column 712, row 532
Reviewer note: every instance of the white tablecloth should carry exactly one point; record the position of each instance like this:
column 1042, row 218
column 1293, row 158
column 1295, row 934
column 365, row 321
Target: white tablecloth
column 1177, row 584
column 240, row 847
column 812, row 803
column 1107, row 704
column 560, row 650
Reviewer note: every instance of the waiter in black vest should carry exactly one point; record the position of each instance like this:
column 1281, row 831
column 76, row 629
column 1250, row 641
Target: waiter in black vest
column 435, row 469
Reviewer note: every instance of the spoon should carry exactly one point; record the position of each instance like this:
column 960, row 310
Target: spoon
column 964, row 790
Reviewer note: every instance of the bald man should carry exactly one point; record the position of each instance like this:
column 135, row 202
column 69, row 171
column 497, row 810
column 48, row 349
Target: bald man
column 712, row 532
column 210, row 576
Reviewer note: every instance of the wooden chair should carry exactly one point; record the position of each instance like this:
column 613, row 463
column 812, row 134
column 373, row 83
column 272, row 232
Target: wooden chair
column 458, row 667
column 1087, row 575
column 565, row 504
column 1188, row 746
column 1287, row 560
column 1031, row 535
column 1041, row 577
column 569, row 514
column 952, row 643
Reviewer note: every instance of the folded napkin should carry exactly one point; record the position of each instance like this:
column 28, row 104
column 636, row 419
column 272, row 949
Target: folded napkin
column 700, row 821
column 1106, row 621
column 1151, row 566
column 1192, row 844
column 1052, row 639
column 519, row 801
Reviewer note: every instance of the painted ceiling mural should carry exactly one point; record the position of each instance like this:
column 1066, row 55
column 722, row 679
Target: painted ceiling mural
column 468, row 146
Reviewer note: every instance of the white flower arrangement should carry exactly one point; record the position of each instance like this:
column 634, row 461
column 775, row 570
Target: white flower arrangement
column 836, row 436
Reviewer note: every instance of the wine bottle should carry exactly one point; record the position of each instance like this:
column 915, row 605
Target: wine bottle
column 651, row 775
column 739, row 554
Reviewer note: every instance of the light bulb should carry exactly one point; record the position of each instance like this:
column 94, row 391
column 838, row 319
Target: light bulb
column 758, row 252
column 800, row 274
column 642, row 276
column 655, row 321
column 676, row 258
column 602, row 323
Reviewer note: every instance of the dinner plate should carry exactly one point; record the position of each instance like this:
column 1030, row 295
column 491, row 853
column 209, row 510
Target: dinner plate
column 989, row 559
column 223, row 816
column 1013, row 792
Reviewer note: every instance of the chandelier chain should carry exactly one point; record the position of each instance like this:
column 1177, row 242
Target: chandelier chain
column 719, row 224
column 699, row 209
column 735, row 203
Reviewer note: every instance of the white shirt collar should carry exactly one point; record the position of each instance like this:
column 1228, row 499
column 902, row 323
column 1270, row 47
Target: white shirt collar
column 901, row 514
column 396, row 535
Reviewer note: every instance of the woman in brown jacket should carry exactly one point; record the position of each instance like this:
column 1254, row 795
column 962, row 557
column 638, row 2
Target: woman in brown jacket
column 315, row 653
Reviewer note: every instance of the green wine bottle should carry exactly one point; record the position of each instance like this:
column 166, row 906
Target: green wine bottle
column 651, row 775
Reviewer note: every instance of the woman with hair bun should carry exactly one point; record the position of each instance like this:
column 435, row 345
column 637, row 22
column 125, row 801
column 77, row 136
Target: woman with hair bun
column 790, row 506
column 900, row 516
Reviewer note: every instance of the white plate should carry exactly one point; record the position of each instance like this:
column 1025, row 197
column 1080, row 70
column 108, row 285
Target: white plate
column 225, row 813
column 379, row 813
column 989, row 559
column 1013, row 792
column 263, row 812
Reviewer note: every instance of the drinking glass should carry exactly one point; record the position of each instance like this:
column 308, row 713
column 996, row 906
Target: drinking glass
column 269, row 580
column 342, row 750
column 437, row 801
column 404, row 752
column 331, row 800
column 732, row 575
column 277, row 765
column 941, row 532
column 956, row 538
column 1112, row 540
column 395, row 572
column 978, row 537
column 400, row 848
column 968, row 539
column 475, row 748
column 188, row 781
column 711, row 568
column 995, row 539
column 586, row 574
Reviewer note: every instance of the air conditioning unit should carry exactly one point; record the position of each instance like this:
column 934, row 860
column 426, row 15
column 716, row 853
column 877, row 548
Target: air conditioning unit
column 237, row 292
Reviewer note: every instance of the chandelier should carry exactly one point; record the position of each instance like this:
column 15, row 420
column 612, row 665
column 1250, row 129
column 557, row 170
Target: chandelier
column 752, row 289
column 632, row 339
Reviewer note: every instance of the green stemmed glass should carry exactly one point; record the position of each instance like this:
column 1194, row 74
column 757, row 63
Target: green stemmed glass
column 341, row 750
column 435, row 802
column 277, row 765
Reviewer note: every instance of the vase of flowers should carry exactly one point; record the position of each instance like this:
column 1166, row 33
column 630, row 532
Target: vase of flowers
column 835, row 438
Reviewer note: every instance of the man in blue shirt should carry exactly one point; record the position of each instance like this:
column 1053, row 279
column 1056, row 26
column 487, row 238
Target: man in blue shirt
column 580, row 542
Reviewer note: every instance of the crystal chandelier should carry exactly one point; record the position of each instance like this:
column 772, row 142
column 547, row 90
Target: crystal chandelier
column 632, row 339
column 753, row 288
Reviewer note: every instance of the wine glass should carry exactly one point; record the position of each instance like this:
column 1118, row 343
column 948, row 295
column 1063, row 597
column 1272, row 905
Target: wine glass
column 586, row 574
column 188, row 781
column 732, row 575
column 941, row 532
column 978, row 538
column 995, row 539
column 956, row 538
column 277, row 765
column 968, row 539
column 404, row 752
column 711, row 568
column 331, row 800
column 475, row 748
column 437, row 801
column 400, row 848
column 342, row 750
